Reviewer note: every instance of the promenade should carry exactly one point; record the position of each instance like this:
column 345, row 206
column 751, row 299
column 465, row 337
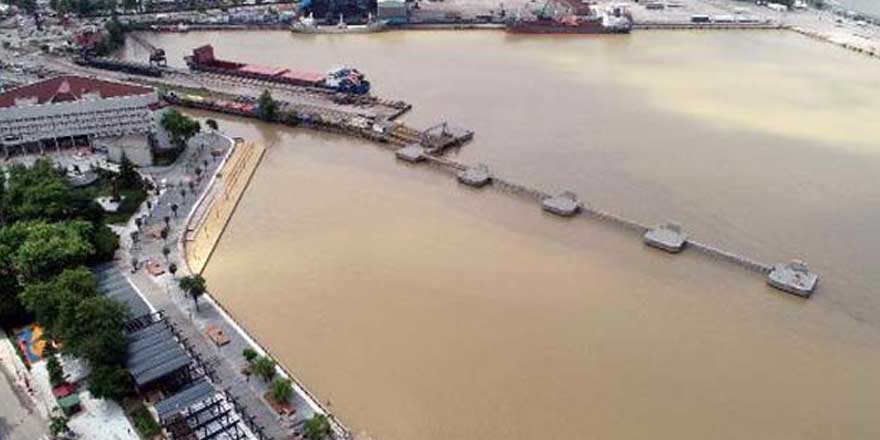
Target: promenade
column 208, row 151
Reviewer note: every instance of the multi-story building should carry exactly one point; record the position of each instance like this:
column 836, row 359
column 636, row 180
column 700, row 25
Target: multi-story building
column 68, row 111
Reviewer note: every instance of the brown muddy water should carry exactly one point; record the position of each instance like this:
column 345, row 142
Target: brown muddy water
column 425, row 310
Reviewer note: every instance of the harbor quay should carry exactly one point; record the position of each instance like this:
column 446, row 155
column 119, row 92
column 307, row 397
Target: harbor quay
column 195, row 228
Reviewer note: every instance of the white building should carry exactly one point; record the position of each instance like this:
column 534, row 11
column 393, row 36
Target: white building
column 68, row 111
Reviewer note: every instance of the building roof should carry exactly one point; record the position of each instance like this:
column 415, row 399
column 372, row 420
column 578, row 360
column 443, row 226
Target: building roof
column 153, row 353
column 67, row 88
column 195, row 393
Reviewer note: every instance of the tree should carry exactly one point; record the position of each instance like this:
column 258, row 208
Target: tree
column 316, row 428
column 179, row 126
column 38, row 192
column 282, row 390
column 183, row 193
column 172, row 269
column 164, row 233
column 267, row 107
column 98, row 334
column 194, row 286
column 109, row 382
column 249, row 355
column 174, row 208
column 50, row 247
column 58, row 425
column 264, row 367
column 165, row 252
column 128, row 176
column 56, row 372
column 212, row 124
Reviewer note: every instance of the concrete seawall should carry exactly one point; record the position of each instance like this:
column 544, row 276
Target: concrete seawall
column 213, row 212
column 205, row 226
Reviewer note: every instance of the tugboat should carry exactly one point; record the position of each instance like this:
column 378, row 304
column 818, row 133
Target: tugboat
column 308, row 25
column 573, row 17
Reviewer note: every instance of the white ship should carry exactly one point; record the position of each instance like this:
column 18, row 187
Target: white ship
column 307, row 25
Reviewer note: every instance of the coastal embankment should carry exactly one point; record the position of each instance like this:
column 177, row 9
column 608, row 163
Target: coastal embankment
column 218, row 203
column 203, row 229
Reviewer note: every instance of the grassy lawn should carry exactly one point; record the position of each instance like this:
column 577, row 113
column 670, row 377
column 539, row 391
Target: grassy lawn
column 131, row 198
column 144, row 422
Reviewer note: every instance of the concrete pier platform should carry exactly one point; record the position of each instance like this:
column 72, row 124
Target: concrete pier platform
column 565, row 204
column 668, row 237
column 793, row 277
column 477, row 176
column 412, row 153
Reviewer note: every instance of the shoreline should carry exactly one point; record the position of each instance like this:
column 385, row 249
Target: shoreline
column 214, row 206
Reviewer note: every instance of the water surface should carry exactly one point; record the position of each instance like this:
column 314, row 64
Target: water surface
column 422, row 309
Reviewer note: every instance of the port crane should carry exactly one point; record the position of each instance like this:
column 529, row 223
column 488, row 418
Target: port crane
column 157, row 55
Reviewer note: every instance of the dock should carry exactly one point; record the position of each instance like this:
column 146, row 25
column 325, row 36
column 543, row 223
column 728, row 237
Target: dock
column 793, row 277
column 412, row 153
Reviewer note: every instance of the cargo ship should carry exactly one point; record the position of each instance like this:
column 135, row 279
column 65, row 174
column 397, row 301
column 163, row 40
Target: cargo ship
column 573, row 17
column 344, row 80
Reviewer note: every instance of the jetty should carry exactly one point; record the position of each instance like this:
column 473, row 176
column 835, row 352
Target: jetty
column 429, row 145
column 668, row 237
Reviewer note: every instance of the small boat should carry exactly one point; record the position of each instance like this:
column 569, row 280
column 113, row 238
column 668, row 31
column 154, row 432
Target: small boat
column 307, row 25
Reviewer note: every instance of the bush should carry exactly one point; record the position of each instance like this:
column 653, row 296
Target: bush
column 264, row 367
column 317, row 428
column 282, row 390
column 249, row 355
column 56, row 372
column 144, row 422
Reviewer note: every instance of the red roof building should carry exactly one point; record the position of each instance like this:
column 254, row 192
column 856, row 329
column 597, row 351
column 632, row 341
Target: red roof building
column 69, row 88
column 69, row 107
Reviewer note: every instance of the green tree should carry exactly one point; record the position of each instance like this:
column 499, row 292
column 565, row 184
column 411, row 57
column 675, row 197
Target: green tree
column 264, row 367
column 212, row 124
column 282, row 390
column 38, row 192
column 267, row 107
column 179, row 126
column 128, row 176
column 317, row 428
column 194, row 286
column 54, row 303
column 56, row 372
column 98, row 335
column 51, row 247
column 109, row 382
column 249, row 355
column 58, row 425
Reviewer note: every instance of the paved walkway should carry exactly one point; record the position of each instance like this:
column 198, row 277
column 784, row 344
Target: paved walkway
column 164, row 294
column 20, row 416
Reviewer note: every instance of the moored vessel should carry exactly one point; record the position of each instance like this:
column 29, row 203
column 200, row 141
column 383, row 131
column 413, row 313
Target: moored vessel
column 572, row 17
column 308, row 25
column 344, row 79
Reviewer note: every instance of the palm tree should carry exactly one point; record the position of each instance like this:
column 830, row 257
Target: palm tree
column 166, row 251
column 194, row 286
column 174, row 209
column 183, row 193
column 172, row 269
column 167, row 221
column 164, row 234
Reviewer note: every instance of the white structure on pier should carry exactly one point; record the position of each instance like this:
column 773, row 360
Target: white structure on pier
column 565, row 204
column 74, row 110
column 668, row 237
column 793, row 277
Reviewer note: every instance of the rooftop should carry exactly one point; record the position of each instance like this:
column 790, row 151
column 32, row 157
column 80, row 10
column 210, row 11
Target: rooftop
column 68, row 88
